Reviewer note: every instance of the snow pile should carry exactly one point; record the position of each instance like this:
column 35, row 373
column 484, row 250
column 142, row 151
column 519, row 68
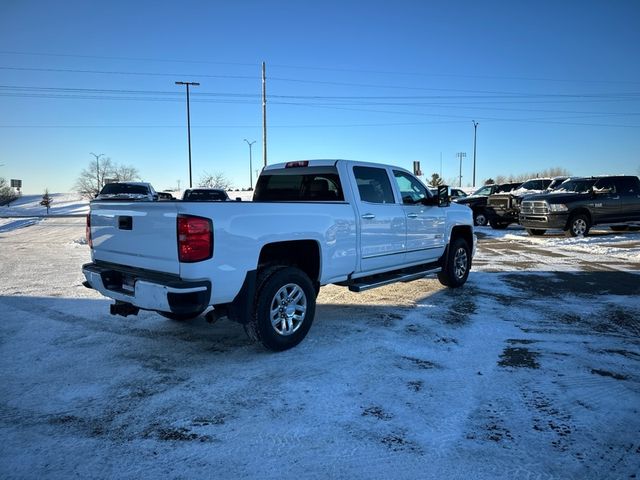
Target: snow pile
column 604, row 245
column 62, row 204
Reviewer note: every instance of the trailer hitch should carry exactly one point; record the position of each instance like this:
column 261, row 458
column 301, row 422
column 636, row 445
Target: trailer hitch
column 123, row 308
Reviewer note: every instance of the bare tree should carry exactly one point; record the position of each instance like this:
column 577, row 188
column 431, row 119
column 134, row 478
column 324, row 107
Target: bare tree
column 7, row 194
column 436, row 180
column 126, row 173
column 215, row 180
column 93, row 178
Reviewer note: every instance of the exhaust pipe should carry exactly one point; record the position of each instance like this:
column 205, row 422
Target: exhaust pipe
column 124, row 309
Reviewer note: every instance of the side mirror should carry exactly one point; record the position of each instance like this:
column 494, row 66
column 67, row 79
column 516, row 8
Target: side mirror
column 444, row 200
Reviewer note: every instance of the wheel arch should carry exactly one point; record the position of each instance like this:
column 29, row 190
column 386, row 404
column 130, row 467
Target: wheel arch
column 304, row 254
column 578, row 211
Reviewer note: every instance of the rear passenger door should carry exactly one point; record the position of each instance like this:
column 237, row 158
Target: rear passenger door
column 425, row 224
column 629, row 190
column 383, row 228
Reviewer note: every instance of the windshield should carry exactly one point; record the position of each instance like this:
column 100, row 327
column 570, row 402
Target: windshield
column 206, row 195
column 578, row 186
column 483, row 191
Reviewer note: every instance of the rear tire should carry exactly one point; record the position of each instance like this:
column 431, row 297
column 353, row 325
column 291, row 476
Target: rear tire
column 535, row 231
column 457, row 264
column 284, row 308
column 579, row 226
column 497, row 225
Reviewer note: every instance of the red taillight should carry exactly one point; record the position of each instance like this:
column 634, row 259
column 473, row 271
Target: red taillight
column 88, row 231
column 195, row 238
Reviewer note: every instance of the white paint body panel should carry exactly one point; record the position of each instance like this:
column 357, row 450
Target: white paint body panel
column 349, row 245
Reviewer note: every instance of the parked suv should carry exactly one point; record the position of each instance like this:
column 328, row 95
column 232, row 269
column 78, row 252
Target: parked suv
column 477, row 201
column 503, row 208
column 127, row 191
column 580, row 203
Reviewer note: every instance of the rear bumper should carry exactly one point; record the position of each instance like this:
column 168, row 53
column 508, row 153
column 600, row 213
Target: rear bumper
column 148, row 290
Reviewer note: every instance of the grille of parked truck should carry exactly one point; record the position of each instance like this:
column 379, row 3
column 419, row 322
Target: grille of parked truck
column 580, row 203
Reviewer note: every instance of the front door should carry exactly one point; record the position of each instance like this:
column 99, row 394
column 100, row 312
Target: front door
column 606, row 201
column 425, row 223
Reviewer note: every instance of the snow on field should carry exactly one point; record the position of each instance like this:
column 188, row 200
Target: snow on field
column 63, row 204
column 531, row 370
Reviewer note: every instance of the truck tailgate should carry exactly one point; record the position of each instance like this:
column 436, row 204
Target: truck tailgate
column 136, row 234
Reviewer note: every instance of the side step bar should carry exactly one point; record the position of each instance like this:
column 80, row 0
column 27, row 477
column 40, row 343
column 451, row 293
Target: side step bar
column 406, row 275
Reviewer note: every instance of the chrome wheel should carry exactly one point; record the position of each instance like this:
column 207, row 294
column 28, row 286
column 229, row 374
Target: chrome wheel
column 579, row 227
column 460, row 262
column 288, row 309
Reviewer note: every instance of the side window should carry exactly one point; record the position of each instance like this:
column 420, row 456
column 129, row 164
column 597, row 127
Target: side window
column 628, row 186
column 608, row 184
column 373, row 185
column 411, row 190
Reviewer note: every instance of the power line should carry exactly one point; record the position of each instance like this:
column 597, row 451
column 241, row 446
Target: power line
column 320, row 68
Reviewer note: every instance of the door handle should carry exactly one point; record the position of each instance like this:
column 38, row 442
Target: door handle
column 368, row 216
column 412, row 215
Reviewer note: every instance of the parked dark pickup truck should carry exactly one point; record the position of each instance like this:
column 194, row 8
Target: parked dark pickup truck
column 581, row 203
column 503, row 208
column 477, row 201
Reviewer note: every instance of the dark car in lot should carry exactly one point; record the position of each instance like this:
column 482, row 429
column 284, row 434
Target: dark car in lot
column 580, row 203
column 205, row 195
column 503, row 208
column 477, row 201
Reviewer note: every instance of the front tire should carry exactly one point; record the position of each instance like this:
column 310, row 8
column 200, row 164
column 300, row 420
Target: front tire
column 457, row 264
column 480, row 219
column 579, row 226
column 284, row 308
column 535, row 231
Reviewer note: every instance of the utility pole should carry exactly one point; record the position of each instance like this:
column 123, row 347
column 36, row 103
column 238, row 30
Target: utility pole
column 98, row 185
column 264, row 114
column 461, row 155
column 250, row 164
column 195, row 84
column 475, row 129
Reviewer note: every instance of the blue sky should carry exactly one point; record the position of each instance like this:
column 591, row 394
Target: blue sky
column 552, row 84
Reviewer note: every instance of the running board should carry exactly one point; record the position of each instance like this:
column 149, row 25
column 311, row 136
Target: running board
column 367, row 283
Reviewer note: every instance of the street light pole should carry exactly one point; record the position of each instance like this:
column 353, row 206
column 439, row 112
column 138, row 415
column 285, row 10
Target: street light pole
column 461, row 155
column 98, row 186
column 250, row 164
column 195, row 84
column 475, row 129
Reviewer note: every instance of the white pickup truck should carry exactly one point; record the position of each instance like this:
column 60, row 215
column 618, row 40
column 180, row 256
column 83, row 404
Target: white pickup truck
column 262, row 263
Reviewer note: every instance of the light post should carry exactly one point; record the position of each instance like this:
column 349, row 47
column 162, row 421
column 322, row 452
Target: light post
column 250, row 164
column 475, row 129
column 461, row 155
column 187, row 84
column 98, row 186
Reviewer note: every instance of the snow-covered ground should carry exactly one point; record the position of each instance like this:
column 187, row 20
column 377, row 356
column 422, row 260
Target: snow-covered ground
column 531, row 370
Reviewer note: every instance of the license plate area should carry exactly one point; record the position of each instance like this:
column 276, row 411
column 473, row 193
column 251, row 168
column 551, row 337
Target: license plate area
column 118, row 282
